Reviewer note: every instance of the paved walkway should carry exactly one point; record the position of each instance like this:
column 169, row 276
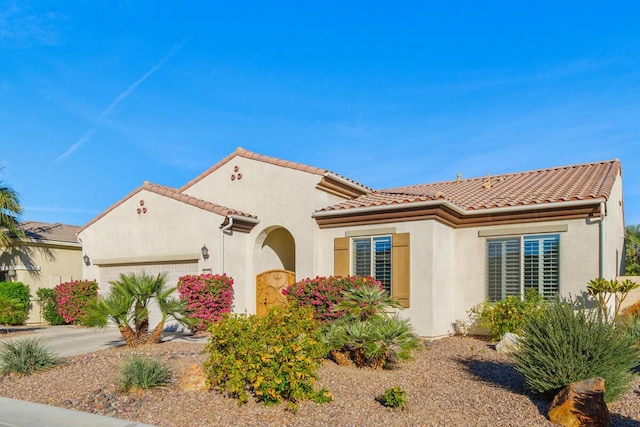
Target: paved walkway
column 68, row 341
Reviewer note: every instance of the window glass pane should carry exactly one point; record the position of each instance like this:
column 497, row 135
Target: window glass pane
column 362, row 257
column 503, row 268
column 542, row 264
column 382, row 261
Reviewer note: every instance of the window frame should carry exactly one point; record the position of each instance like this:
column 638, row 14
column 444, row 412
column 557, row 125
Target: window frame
column 387, row 281
column 542, row 285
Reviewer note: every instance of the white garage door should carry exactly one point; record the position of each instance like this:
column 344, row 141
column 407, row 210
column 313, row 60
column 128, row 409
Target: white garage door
column 173, row 270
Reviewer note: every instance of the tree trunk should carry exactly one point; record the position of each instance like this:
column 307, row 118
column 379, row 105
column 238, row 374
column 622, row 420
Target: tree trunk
column 129, row 336
column 156, row 335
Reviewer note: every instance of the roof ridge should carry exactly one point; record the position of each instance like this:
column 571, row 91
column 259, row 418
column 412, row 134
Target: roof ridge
column 577, row 165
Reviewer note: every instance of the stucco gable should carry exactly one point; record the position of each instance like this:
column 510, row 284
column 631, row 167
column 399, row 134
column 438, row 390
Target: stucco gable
column 174, row 194
column 329, row 181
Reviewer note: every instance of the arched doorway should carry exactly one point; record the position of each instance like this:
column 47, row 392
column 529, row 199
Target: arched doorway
column 275, row 263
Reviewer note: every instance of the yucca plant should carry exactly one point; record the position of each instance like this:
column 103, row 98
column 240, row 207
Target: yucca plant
column 142, row 372
column 127, row 305
column 25, row 356
column 569, row 343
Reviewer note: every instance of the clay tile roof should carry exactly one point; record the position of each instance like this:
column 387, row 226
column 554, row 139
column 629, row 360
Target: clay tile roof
column 52, row 232
column 560, row 184
column 241, row 152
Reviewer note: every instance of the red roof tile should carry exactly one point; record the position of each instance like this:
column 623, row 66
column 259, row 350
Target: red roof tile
column 575, row 182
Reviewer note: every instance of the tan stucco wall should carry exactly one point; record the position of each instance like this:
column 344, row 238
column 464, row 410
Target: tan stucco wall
column 43, row 266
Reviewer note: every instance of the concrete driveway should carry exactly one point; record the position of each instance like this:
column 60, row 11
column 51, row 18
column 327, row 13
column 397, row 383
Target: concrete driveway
column 70, row 340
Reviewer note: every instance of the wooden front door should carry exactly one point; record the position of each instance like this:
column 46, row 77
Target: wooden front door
column 269, row 287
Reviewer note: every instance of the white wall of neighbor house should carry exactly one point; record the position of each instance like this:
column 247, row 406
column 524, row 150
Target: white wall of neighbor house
column 614, row 232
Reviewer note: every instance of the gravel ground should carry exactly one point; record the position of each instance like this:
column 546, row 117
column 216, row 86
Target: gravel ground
column 454, row 382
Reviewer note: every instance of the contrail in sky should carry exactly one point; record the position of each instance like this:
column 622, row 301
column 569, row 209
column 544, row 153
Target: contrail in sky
column 88, row 134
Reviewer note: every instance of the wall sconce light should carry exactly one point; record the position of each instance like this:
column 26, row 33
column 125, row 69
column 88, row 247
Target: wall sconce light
column 86, row 260
column 12, row 272
column 205, row 252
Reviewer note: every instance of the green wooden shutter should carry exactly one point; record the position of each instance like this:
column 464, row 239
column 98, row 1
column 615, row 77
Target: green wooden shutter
column 341, row 256
column 401, row 273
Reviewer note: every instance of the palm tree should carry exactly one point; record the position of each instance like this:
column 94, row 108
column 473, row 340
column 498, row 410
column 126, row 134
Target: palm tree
column 127, row 305
column 10, row 210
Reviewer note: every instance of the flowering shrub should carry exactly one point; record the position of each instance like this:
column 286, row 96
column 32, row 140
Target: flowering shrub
column 207, row 297
column 274, row 358
column 48, row 306
column 322, row 293
column 74, row 298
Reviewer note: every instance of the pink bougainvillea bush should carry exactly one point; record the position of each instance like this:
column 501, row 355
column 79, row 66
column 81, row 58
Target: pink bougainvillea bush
column 74, row 298
column 208, row 297
column 322, row 293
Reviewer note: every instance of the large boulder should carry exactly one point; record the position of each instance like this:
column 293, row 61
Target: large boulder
column 193, row 379
column 581, row 404
column 508, row 344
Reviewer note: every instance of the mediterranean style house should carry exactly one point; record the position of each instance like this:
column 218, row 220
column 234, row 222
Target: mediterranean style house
column 439, row 248
column 48, row 255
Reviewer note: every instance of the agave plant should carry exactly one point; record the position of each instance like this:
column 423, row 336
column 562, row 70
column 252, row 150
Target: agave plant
column 127, row 305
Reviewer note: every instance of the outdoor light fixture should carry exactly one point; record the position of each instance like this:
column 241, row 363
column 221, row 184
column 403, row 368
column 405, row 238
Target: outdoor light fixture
column 12, row 272
column 205, row 252
column 86, row 260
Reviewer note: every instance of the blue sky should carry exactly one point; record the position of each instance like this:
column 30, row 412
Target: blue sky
column 98, row 96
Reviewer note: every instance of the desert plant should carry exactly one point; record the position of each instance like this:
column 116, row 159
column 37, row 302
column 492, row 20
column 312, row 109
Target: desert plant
column 142, row 372
column 632, row 310
column 207, row 298
column 507, row 315
column 365, row 301
column 322, row 293
column 603, row 290
column 74, row 299
column 394, row 397
column 25, row 356
column 16, row 295
column 568, row 342
column 49, row 306
column 127, row 305
column 274, row 358
column 378, row 342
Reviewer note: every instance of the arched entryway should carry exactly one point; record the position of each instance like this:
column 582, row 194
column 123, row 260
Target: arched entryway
column 275, row 264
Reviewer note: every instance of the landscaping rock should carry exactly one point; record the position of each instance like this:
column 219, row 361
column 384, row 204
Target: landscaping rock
column 508, row 344
column 581, row 404
column 193, row 379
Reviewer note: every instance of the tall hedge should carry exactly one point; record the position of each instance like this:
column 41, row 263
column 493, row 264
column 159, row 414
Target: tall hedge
column 17, row 292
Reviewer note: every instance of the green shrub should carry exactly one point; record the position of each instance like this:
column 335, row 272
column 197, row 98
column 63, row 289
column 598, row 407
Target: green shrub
column 142, row 373
column 11, row 311
column 378, row 342
column 25, row 356
column 509, row 314
column 394, row 397
column 568, row 343
column 274, row 358
column 19, row 293
column 49, row 306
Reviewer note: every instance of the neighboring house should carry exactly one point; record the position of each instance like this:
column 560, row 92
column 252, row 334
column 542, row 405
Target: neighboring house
column 439, row 248
column 48, row 255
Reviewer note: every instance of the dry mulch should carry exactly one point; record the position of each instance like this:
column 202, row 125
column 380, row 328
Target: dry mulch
column 454, row 382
